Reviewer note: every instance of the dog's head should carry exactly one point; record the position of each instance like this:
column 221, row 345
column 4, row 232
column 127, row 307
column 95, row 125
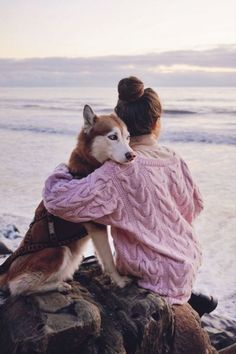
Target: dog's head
column 108, row 137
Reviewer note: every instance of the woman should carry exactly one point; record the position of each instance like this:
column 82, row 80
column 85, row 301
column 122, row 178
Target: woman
column 150, row 203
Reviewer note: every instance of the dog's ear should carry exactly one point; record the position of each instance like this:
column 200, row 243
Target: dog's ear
column 89, row 118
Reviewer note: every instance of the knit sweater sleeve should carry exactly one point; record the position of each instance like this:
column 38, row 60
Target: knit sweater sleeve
column 193, row 190
column 89, row 198
column 198, row 201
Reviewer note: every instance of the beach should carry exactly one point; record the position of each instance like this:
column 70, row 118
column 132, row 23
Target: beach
column 38, row 130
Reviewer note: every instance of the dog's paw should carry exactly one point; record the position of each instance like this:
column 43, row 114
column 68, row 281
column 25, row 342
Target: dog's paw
column 121, row 281
column 64, row 287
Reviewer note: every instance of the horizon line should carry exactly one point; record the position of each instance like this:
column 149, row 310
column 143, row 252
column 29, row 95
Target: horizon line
column 194, row 49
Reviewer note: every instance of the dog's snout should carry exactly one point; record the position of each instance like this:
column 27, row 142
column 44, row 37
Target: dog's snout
column 130, row 156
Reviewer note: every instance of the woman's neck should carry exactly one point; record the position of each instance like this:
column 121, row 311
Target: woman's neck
column 147, row 146
column 143, row 140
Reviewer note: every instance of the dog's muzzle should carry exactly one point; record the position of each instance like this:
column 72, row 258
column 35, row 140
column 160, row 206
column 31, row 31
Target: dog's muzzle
column 130, row 156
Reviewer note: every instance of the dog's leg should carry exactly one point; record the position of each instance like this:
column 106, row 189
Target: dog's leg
column 75, row 252
column 46, row 270
column 26, row 284
column 100, row 239
column 39, row 272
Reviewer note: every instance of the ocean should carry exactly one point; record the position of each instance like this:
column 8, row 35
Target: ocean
column 38, row 130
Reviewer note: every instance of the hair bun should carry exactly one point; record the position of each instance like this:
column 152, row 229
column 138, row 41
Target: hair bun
column 130, row 89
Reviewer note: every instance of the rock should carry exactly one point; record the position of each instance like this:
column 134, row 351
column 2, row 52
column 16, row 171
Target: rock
column 51, row 323
column 222, row 331
column 10, row 232
column 4, row 249
column 96, row 317
column 189, row 337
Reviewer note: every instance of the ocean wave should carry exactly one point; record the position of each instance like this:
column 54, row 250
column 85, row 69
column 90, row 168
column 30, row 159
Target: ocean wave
column 74, row 107
column 47, row 108
column 183, row 137
column 200, row 137
column 178, row 111
column 38, row 130
column 207, row 110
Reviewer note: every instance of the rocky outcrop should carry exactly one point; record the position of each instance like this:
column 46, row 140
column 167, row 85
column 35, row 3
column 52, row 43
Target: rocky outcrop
column 4, row 249
column 98, row 318
column 221, row 330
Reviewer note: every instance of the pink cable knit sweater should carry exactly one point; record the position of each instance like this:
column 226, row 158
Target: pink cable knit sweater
column 150, row 205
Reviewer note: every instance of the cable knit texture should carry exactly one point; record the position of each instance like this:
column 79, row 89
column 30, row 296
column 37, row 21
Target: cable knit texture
column 150, row 205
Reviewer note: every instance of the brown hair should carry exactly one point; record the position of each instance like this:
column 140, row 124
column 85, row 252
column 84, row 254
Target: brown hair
column 139, row 108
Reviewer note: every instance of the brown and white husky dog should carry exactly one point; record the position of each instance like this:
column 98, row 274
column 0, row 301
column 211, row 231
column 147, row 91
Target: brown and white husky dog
column 101, row 138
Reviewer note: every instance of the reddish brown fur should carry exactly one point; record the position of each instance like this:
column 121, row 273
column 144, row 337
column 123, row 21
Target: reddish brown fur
column 46, row 261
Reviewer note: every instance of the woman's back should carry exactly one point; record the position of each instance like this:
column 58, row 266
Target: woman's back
column 155, row 240
column 150, row 204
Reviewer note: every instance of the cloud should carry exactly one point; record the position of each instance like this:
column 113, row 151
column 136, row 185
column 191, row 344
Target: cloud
column 181, row 68
column 214, row 67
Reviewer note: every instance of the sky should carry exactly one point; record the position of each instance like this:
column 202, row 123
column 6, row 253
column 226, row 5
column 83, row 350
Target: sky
column 101, row 32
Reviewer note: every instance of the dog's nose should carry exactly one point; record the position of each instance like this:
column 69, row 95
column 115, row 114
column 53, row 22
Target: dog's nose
column 130, row 156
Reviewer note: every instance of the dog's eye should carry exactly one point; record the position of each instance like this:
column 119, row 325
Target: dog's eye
column 128, row 137
column 113, row 137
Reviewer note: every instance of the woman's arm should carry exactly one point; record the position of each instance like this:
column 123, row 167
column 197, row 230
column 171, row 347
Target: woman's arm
column 193, row 189
column 81, row 200
column 198, row 201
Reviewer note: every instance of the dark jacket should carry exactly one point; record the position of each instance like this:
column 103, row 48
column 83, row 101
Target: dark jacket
column 45, row 231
